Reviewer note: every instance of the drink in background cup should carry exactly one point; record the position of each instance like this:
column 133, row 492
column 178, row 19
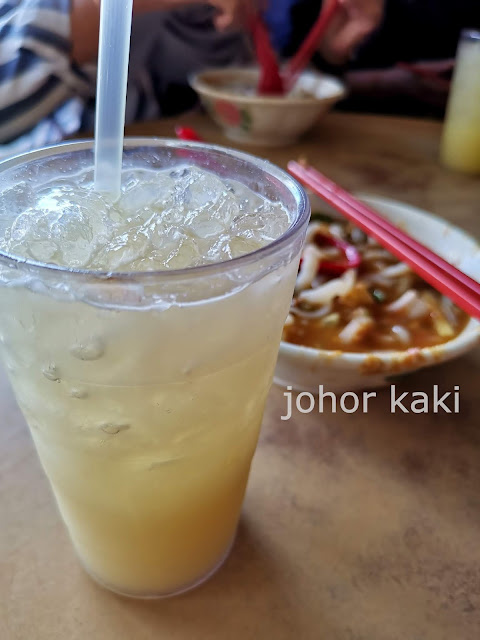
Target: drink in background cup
column 144, row 389
column 461, row 137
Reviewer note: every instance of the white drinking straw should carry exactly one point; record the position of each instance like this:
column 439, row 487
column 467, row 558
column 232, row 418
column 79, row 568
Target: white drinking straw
column 114, row 50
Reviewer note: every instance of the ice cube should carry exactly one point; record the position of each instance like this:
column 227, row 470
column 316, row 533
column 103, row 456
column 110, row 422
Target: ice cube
column 274, row 221
column 247, row 200
column 248, row 224
column 65, row 225
column 214, row 218
column 122, row 250
column 241, row 245
column 43, row 250
column 14, row 201
column 146, row 191
column 187, row 254
column 137, row 198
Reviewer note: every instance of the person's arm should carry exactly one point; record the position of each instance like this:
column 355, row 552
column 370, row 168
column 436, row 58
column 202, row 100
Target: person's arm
column 85, row 25
column 424, row 83
column 36, row 73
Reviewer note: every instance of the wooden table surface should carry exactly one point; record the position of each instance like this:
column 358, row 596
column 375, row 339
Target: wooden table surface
column 361, row 527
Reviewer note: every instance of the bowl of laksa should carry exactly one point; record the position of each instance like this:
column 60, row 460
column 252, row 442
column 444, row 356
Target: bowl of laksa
column 359, row 317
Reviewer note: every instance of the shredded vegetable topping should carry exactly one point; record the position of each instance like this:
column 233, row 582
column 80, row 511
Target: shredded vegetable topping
column 352, row 295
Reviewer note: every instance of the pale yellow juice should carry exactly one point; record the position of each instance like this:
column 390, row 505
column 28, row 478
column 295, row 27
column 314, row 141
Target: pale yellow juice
column 148, row 461
column 145, row 399
column 461, row 136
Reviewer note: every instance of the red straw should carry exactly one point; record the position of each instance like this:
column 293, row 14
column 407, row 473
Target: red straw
column 443, row 276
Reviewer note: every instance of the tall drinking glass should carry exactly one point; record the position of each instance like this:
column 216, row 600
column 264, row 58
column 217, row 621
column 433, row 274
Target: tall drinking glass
column 144, row 392
column 461, row 136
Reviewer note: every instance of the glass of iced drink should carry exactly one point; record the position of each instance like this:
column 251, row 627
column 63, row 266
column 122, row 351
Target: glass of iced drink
column 140, row 338
column 460, row 148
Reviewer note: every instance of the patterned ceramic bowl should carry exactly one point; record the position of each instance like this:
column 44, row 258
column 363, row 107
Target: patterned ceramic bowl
column 230, row 97
column 305, row 368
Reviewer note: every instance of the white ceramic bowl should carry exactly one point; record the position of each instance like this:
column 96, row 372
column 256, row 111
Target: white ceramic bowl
column 265, row 120
column 305, row 368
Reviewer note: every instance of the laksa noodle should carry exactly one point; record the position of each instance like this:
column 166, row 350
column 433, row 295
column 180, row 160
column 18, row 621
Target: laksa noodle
column 352, row 295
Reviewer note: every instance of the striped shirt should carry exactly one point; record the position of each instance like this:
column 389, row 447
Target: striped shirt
column 45, row 97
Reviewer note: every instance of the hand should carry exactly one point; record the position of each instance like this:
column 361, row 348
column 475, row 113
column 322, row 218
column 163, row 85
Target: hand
column 354, row 21
column 230, row 12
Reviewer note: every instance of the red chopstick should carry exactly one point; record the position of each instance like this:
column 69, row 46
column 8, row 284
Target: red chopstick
column 271, row 82
column 443, row 276
column 303, row 56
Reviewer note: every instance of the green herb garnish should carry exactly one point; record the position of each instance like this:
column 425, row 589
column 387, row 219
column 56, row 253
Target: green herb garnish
column 378, row 295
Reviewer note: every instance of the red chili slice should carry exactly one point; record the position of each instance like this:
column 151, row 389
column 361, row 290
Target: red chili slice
column 351, row 256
